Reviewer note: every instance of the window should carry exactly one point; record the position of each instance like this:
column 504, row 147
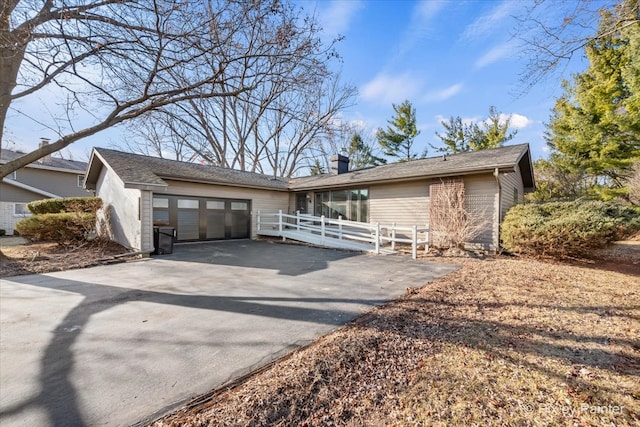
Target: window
column 352, row 205
column 239, row 206
column 12, row 176
column 21, row 209
column 80, row 181
column 188, row 204
column 215, row 204
column 160, row 203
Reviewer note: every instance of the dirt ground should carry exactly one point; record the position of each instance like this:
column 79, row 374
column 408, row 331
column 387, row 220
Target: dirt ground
column 502, row 341
column 17, row 257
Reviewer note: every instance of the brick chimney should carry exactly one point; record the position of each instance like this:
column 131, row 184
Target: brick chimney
column 47, row 158
column 339, row 164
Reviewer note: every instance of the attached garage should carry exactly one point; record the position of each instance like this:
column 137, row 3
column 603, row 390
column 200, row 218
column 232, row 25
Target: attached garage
column 201, row 218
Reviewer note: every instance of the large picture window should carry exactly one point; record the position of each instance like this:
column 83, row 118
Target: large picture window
column 352, row 205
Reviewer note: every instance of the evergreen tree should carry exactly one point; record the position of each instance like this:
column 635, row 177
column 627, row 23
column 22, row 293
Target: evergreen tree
column 360, row 154
column 595, row 125
column 397, row 140
column 316, row 168
column 460, row 137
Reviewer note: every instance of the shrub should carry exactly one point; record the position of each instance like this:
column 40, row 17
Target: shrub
column 566, row 229
column 68, row 204
column 3, row 232
column 63, row 228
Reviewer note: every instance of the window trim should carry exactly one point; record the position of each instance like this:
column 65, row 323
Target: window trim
column 21, row 215
column 321, row 196
column 79, row 182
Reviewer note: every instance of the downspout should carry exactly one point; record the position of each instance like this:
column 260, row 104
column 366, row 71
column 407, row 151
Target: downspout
column 496, row 174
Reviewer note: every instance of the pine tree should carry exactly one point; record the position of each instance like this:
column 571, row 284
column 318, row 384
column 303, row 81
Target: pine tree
column 360, row 154
column 595, row 125
column 397, row 140
column 460, row 137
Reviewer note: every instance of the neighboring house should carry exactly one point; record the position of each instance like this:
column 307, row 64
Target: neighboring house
column 208, row 203
column 48, row 177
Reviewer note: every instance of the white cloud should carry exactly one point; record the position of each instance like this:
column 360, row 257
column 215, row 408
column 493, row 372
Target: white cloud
column 443, row 94
column 335, row 19
column 386, row 88
column 427, row 10
column 487, row 23
column 518, row 121
column 497, row 53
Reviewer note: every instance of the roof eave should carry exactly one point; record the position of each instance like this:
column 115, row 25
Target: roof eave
column 226, row 184
column 501, row 168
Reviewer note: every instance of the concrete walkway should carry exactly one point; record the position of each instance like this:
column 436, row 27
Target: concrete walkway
column 122, row 344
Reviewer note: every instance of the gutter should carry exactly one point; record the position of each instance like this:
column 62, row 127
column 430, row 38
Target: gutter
column 496, row 174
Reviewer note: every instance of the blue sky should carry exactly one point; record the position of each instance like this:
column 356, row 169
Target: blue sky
column 448, row 57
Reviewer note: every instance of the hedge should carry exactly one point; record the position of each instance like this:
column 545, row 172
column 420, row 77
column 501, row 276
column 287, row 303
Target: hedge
column 566, row 229
column 63, row 228
column 68, row 204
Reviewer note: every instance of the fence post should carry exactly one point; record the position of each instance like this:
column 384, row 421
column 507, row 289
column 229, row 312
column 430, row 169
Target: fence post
column 322, row 229
column 297, row 220
column 426, row 239
column 280, row 224
column 393, row 236
column 258, row 221
column 414, row 243
column 377, row 238
column 340, row 227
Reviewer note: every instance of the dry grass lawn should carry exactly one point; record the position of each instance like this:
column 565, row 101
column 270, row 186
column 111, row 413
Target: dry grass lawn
column 500, row 342
column 45, row 257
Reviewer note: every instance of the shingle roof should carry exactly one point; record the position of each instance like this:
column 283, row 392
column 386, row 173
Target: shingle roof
column 135, row 169
column 139, row 169
column 455, row 164
column 53, row 162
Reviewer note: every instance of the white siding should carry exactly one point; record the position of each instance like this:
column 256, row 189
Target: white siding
column 509, row 184
column 261, row 200
column 146, row 219
column 406, row 204
column 121, row 205
column 481, row 195
column 8, row 218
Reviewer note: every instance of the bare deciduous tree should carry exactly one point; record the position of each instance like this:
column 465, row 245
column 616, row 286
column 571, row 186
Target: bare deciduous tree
column 116, row 60
column 452, row 222
column 555, row 31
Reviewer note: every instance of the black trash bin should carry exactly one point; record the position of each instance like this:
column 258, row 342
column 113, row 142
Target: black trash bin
column 163, row 240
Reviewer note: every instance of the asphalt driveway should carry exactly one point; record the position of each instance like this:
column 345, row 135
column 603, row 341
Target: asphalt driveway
column 122, row 344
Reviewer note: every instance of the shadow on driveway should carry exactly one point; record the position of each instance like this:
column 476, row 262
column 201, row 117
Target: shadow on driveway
column 132, row 321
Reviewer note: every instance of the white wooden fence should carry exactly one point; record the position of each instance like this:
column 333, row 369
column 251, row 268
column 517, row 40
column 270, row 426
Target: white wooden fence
column 328, row 230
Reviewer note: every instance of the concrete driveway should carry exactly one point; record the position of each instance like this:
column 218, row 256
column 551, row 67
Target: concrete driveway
column 122, row 344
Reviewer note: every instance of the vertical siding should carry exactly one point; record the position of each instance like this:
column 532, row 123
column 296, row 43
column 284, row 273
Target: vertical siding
column 121, row 205
column 406, row 204
column 481, row 195
column 261, row 200
column 146, row 219
column 508, row 183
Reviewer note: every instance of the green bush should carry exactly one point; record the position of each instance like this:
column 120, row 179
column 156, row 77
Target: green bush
column 566, row 229
column 63, row 228
column 68, row 204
